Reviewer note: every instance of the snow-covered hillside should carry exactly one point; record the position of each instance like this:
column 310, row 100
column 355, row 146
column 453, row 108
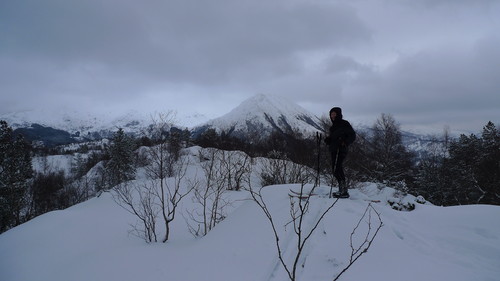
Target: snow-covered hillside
column 85, row 123
column 92, row 241
column 261, row 114
column 79, row 123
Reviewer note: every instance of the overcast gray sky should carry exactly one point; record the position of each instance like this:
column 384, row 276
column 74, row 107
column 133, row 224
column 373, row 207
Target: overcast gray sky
column 429, row 63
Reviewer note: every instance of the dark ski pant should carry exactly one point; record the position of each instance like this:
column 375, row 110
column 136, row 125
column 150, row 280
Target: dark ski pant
column 338, row 157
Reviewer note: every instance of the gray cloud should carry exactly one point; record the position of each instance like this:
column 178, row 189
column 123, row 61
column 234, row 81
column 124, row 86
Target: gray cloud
column 453, row 86
column 426, row 62
column 194, row 41
column 104, row 51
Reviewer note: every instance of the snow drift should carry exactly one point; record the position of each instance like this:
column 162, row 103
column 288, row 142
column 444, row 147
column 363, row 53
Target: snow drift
column 90, row 241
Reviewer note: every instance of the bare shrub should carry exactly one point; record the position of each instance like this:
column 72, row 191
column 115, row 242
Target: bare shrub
column 299, row 207
column 278, row 169
column 222, row 171
column 155, row 203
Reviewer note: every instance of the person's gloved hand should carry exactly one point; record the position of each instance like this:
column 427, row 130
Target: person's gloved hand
column 342, row 142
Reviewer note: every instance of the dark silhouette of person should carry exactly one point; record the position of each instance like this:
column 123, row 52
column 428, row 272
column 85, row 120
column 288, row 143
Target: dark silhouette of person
column 341, row 135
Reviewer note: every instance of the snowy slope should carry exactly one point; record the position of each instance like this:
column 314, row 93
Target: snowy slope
column 83, row 123
column 91, row 241
column 261, row 114
column 69, row 121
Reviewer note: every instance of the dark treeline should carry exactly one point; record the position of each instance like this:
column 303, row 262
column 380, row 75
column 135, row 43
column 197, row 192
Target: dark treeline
column 451, row 171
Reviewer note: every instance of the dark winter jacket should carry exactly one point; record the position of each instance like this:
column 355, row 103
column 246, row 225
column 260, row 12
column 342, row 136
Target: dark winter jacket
column 341, row 133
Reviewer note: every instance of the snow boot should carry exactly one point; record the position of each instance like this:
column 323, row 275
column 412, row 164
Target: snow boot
column 342, row 193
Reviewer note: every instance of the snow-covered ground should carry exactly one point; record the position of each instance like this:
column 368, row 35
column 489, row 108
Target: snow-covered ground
column 91, row 241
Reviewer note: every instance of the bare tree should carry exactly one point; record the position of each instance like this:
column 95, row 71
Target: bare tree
column 209, row 194
column 392, row 160
column 299, row 207
column 171, row 192
column 155, row 201
column 372, row 230
column 160, row 197
column 222, row 171
column 278, row 169
column 139, row 201
column 167, row 168
column 235, row 166
column 159, row 156
column 81, row 189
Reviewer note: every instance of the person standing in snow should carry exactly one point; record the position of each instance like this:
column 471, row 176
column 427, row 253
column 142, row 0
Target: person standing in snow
column 341, row 135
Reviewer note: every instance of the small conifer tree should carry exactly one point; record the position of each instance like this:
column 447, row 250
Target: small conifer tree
column 121, row 166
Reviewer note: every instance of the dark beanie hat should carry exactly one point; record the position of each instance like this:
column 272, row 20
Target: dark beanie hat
column 337, row 110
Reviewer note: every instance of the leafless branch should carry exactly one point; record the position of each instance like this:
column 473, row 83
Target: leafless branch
column 299, row 206
column 357, row 252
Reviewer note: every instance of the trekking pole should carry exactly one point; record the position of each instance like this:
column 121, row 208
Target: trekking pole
column 318, row 142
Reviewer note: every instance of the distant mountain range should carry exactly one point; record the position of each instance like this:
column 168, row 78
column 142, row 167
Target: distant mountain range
column 258, row 116
column 78, row 124
column 261, row 114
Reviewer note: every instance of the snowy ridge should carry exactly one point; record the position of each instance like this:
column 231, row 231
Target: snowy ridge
column 264, row 113
column 92, row 241
column 79, row 122
column 89, row 242
column 259, row 115
column 69, row 121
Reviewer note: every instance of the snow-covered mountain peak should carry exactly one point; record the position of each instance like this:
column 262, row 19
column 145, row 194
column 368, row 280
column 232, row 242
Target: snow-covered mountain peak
column 270, row 104
column 263, row 114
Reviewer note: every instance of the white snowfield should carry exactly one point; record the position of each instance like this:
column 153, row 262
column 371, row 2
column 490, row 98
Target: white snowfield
column 91, row 241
